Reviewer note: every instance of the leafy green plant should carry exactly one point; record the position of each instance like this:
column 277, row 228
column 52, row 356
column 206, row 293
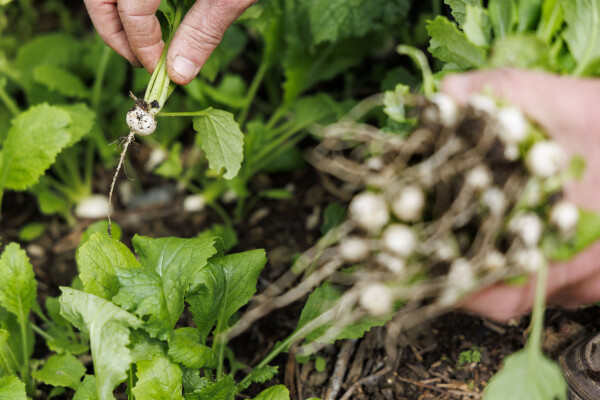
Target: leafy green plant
column 549, row 35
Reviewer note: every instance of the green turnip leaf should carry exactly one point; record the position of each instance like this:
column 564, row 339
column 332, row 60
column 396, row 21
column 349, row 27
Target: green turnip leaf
column 221, row 289
column 158, row 378
column 108, row 329
column 459, row 9
column 582, row 33
column 527, row 375
column 60, row 80
column 97, row 259
column 17, row 282
column 11, row 388
column 61, row 370
column 32, row 143
column 221, row 139
column 155, row 291
column 452, row 46
column 87, row 389
column 185, row 348
column 277, row 392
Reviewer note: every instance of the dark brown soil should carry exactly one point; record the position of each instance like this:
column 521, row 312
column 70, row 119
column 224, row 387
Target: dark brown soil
column 427, row 366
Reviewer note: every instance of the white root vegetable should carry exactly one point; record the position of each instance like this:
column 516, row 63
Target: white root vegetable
column 399, row 239
column 141, row 122
column 512, row 125
column 376, row 299
column 545, row 159
column 565, row 216
column 408, row 204
column 354, row 249
column 369, row 211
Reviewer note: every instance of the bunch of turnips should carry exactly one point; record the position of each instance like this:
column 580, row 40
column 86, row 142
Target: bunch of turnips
column 467, row 197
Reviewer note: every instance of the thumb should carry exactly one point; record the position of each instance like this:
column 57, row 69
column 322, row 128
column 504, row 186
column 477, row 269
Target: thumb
column 199, row 33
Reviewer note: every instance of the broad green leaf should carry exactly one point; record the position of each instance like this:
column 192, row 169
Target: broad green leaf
column 520, row 51
column 102, row 227
column 221, row 139
column 185, row 348
column 230, row 92
column 158, row 379
column 459, row 9
column 82, row 120
column 48, row 200
column 525, row 376
column 503, row 14
column 155, row 291
column 63, row 338
column 33, row 141
column 477, row 26
column 87, row 389
column 17, row 282
column 61, row 370
column 221, row 289
column 551, row 20
column 325, row 298
column 333, row 20
column 97, row 260
column 222, row 389
column 11, row 388
column 277, row 392
column 6, row 363
column 54, row 49
column 225, row 232
column 32, row 231
column 582, row 33
column 452, row 46
column 528, row 12
column 260, row 375
column 60, row 80
column 192, row 381
column 16, row 344
column 108, row 329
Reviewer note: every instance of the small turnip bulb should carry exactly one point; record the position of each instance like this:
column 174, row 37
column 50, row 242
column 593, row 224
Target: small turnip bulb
column 408, row 204
column 140, row 121
column 376, row 299
column 564, row 215
column 512, row 125
column 528, row 226
column 399, row 239
column 545, row 159
column 354, row 249
column 448, row 110
column 369, row 211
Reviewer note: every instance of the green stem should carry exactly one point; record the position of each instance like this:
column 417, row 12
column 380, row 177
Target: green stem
column 130, row 383
column 25, row 363
column 421, row 61
column 534, row 343
column 158, row 87
column 9, row 102
column 100, row 71
column 41, row 332
column 222, row 213
column 256, row 81
column 295, row 336
column 183, row 114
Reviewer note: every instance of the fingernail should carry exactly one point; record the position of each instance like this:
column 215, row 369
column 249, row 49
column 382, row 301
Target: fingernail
column 186, row 69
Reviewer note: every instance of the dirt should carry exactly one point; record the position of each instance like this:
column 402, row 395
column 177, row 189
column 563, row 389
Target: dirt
column 427, row 366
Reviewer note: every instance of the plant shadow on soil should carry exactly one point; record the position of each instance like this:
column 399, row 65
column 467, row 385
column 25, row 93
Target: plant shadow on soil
column 427, row 366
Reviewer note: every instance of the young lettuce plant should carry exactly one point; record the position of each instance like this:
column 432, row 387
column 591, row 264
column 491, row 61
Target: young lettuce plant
column 129, row 309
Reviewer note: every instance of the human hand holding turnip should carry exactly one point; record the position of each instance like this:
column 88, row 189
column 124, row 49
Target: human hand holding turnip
column 132, row 29
column 566, row 109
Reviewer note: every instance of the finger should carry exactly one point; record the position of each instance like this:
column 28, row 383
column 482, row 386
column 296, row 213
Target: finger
column 105, row 17
column 199, row 33
column 560, row 105
column 501, row 302
column 142, row 29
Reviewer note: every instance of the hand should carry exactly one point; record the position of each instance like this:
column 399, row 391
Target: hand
column 567, row 109
column 131, row 28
